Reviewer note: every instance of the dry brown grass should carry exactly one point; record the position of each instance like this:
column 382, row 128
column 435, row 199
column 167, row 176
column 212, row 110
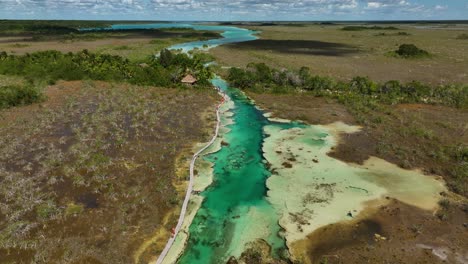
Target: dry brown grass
column 329, row 51
column 89, row 175
column 405, row 229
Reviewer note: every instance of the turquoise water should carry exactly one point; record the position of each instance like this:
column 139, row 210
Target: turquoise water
column 238, row 188
column 235, row 210
column 230, row 34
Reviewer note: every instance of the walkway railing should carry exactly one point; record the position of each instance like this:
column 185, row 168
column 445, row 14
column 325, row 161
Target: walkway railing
column 171, row 240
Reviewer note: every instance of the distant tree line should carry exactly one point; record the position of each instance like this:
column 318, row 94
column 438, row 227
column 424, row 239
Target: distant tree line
column 360, row 28
column 259, row 77
column 46, row 27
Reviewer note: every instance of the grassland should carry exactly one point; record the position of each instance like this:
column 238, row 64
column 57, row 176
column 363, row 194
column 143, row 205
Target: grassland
column 90, row 174
column 330, row 51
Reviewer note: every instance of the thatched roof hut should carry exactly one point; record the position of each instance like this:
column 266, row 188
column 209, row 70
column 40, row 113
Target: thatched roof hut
column 189, row 79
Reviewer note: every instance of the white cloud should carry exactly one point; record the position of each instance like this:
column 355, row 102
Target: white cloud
column 441, row 7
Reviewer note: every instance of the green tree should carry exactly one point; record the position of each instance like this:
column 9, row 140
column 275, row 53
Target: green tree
column 410, row 50
column 165, row 58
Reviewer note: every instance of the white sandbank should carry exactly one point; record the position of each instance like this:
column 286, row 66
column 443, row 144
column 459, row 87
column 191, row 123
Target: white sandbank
column 309, row 189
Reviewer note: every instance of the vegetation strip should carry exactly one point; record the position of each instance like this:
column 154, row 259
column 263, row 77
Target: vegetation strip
column 259, row 77
column 50, row 66
column 190, row 185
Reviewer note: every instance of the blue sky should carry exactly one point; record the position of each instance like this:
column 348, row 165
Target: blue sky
column 234, row 9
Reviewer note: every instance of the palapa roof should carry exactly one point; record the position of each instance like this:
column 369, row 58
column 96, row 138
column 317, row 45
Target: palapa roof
column 189, row 79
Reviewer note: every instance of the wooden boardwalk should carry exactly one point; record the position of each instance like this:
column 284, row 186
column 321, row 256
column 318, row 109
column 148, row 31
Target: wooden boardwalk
column 190, row 185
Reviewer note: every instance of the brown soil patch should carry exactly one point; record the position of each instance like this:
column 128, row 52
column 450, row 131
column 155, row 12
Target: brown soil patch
column 90, row 174
column 393, row 233
column 307, row 108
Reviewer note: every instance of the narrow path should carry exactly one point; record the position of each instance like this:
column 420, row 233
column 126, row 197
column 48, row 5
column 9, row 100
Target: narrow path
column 190, row 185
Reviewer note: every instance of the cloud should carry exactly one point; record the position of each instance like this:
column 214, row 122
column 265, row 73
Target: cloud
column 375, row 4
column 213, row 9
column 440, row 7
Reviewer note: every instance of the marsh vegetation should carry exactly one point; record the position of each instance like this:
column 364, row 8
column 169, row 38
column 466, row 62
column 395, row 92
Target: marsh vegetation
column 90, row 174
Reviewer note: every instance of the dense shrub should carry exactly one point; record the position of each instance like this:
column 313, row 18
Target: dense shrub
column 362, row 85
column 15, row 95
column 50, row 66
column 260, row 77
column 411, row 51
column 401, row 33
column 317, row 83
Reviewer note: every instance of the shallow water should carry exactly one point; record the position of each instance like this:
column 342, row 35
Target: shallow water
column 235, row 211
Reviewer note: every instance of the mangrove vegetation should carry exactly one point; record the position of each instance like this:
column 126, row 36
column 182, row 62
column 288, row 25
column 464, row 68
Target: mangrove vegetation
column 261, row 78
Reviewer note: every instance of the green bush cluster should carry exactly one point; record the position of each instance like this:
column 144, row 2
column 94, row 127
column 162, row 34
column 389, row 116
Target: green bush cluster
column 14, row 95
column 411, row 51
column 166, row 70
column 260, row 77
column 401, row 33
